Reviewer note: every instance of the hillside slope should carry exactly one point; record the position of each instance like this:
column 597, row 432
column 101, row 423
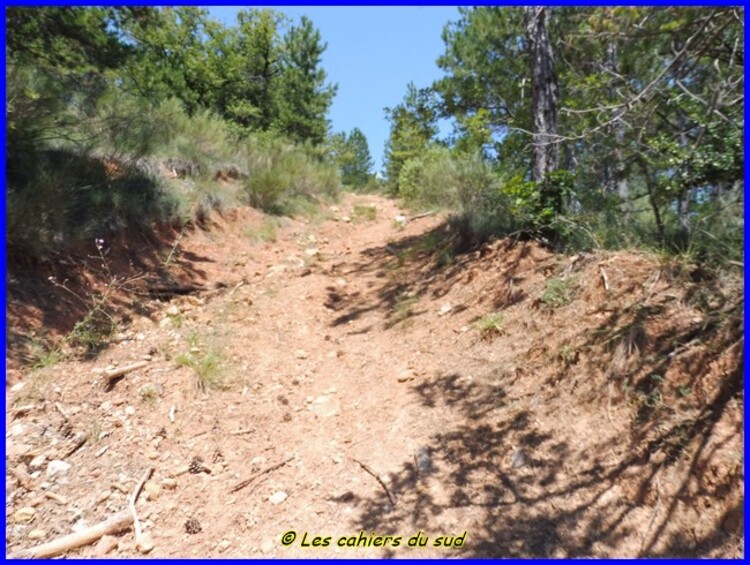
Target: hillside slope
column 548, row 406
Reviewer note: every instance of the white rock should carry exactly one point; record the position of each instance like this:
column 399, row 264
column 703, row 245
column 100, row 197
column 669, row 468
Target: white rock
column 129, row 410
column 405, row 375
column 16, row 387
column 300, row 354
column 173, row 310
column 444, row 309
column 80, row 526
column 17, row 429
column 37, row 534
column 145, row 543
column 25, row 514
column 37, row 462
column 57, row 467
column 267, row 546
column 278, row 497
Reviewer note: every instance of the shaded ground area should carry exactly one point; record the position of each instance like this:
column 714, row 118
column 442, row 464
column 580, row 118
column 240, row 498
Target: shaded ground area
column 545, row 405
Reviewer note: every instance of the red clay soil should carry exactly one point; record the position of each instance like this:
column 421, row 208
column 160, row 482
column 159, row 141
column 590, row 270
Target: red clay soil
column 365, row 385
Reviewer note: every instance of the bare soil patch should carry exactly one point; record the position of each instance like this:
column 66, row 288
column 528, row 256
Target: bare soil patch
column 356, row 376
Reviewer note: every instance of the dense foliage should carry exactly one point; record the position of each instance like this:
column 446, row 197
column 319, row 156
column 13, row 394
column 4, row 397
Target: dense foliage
column 643, row 108
column 103, row 103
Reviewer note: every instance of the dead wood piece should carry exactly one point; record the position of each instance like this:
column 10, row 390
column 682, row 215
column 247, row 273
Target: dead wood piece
column 112, row 525
column 243, row 484
column 114, row 374
column 242, row 432
column 238, row 285
column 169, row 291
column 117, row 486
column 143, row 543
column 422, row 215
column 61, row 500
column 377, row 478
column 605, row 280
column 126, row 369
column 61, row 411
column 78, row 442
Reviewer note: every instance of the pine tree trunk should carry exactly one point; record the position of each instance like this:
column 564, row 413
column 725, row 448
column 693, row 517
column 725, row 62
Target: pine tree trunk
column 617, row 180
column 546, row 152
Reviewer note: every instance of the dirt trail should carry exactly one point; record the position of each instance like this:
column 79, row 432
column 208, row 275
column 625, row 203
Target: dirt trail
column 345, row 347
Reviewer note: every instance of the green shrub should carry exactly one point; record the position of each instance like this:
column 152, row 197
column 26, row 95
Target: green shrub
column 285, row 178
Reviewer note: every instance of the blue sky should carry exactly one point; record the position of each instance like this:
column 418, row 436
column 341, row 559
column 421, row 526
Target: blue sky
column 373, row 53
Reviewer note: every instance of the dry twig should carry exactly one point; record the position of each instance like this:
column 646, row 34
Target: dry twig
column 377, row 478
column 246, row 482
column 115, row 373
column 142, row 543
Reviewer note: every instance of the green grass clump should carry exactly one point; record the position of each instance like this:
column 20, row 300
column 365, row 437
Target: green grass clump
column 266, row 232
column 207, row 365
column 558, row 292
column 403, row 309
column 490, row 325
column 365, row 213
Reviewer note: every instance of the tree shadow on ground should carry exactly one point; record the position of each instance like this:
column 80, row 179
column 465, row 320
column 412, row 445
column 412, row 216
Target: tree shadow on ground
column 557, row 503
column 60, row 202
column 553, row 503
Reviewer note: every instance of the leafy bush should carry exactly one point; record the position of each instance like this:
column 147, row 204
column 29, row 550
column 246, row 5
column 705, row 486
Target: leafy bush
column 285, row 178
column 203, row 138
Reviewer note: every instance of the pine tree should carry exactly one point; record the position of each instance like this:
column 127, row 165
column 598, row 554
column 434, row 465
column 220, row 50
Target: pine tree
column 304, row 95
column 355, row 169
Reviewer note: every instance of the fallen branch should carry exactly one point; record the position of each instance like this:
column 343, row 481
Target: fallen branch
column 116, row 373
column 604, row 278
column 422, row 215
column 61, row 500
column 142, row 542
column 169, row 291
column 246, row 482
column 78, row 442
column 238, row 285
column 61, row 411
column 242, row 432
column 115, row 524
column 377, row 478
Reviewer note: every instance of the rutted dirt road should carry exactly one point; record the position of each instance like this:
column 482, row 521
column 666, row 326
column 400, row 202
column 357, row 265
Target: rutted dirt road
column 351, row 352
